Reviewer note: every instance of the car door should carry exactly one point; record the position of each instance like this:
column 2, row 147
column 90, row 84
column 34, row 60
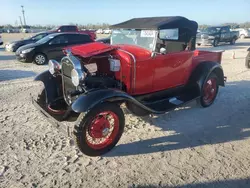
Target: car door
column 225, row 34
column 55, row 46
column 171, row 69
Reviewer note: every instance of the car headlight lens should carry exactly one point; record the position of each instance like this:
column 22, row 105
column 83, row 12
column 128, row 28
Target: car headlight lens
column 54, row 66
column 77, row 76
column 27, row 50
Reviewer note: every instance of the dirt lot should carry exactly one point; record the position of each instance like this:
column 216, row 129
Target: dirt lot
column 188, row 147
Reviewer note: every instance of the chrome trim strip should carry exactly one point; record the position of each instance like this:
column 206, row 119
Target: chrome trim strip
column 133, row 57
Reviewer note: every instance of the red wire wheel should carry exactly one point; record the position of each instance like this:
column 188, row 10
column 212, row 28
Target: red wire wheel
column 209, row 90
column 100, row 129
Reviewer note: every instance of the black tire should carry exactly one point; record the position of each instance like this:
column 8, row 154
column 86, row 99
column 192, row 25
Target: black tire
column 248, row 61
column 83, row 123
column 216, row 42
column 232, row 42
column 201, row 101
column 40, row 59
column 41, row 98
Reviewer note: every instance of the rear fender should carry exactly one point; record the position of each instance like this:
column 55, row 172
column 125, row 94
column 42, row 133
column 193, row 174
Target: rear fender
column 50, row 85
column 203, row 70
column 92, row 98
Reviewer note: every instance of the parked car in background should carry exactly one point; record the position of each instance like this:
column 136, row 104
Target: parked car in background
column 13, row 46
column 243, row 32
column 151, row 66
column 107, row 31
column 104, row 40
column 1, row 40
column 216, row 34
column 99, row 31
column 73, row 28
column 50, row 47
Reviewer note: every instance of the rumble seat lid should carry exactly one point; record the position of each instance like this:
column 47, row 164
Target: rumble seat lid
column 90, row 49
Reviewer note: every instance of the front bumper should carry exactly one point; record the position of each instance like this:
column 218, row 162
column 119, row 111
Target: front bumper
column 28, row 57
column 204, row 41
column 65, row 129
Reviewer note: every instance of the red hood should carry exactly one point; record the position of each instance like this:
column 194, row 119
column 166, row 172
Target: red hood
column 95, row 48
column 90, row 49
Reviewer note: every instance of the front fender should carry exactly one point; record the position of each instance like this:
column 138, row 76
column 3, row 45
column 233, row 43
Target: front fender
column 203, row 70
column 89, row 100
column 50, row 85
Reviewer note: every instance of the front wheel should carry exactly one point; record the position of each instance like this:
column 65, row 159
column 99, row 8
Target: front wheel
column 209, row 91
column 40, row 59
column 98, row 131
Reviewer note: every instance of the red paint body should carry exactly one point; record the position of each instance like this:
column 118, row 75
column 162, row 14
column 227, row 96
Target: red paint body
column 148, row 74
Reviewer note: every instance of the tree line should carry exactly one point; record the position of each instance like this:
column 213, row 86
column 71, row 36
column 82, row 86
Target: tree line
column 50, row 26
column 232, row 25
column 106, row 25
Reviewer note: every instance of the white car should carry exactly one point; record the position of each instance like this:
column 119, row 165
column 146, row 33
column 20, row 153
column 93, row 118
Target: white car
column 1, row 40
column 99, row 31
column 107, row 31
column 243, row 33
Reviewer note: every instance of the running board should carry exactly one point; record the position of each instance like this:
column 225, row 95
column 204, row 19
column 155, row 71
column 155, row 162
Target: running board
column 171, row 103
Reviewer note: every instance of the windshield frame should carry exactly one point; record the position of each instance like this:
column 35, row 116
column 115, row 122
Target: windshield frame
column 153, row 42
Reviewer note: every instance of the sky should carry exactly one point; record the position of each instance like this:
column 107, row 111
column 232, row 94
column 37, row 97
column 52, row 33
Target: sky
column 56, row 12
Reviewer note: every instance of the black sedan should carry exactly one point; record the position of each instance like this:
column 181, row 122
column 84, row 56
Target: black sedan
column 13, row 46
column 50, row 47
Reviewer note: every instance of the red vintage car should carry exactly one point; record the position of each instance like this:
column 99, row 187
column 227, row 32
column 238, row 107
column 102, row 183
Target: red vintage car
column 151, row 66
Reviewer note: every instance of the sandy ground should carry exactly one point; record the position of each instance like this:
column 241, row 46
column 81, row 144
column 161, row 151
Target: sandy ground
column 188, row 147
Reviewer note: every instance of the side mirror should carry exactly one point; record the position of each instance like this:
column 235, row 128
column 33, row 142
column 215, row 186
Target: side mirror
column 163, row 50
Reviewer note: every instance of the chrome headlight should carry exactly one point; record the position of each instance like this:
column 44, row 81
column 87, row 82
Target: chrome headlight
column 27, row 50
column 77, row 76
column 54, row 66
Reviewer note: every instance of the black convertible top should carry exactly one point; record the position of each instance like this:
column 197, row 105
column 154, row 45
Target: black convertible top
column 158, row 23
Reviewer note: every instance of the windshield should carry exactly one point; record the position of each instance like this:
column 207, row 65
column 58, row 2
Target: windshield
column 38, row 36
column 45, row 39
column 212, row 30
column 142, row 38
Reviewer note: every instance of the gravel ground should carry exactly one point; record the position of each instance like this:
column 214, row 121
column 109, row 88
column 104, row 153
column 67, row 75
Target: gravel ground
column 188, row 147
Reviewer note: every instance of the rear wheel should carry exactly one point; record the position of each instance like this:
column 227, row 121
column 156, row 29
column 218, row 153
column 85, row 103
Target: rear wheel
column 233, row 41
column 100, row 129
column 209, row 91
column 40, row 59
column 216, row 42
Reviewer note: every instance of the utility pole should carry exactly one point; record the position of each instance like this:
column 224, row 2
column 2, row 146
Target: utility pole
column 21, row 21
column 24, row 21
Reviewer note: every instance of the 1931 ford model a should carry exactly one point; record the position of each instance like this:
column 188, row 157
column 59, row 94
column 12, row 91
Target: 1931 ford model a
column 151, row 65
